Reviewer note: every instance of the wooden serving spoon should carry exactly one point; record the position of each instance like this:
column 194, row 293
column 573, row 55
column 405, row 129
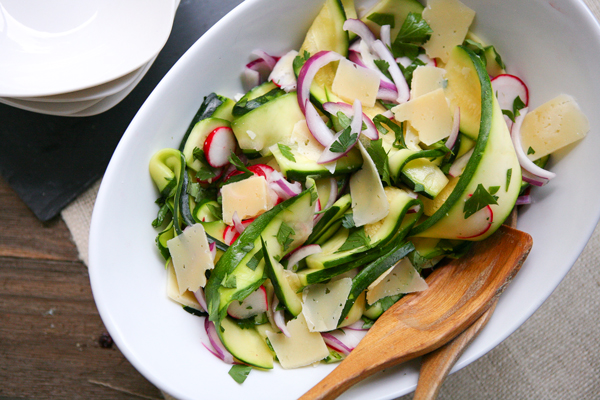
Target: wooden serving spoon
column 436, row 365
column 459, row 293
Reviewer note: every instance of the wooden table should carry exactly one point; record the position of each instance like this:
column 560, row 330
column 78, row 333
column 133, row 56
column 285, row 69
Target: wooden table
column 50, row 330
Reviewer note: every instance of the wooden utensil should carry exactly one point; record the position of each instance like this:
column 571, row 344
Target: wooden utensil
column 459, row 293
column 436, row 366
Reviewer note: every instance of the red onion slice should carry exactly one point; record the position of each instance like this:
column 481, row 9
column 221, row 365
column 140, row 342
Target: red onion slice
column 301, row 253
column 333, row 108
column 533, row 179
column 269, row 60
column 525, row 162
column 384, row 53
column 451, row 141
column 333, row 192
column 279, row 318
column 522, row 200
column 457, row 167
column 215, row 342
column 336, row 344
column 199, row 295
column 317, row 126
column 237, row 222
column 308, row 72
column 282, row 187
column 356, row 58
column 361, row 29
column 357, row 326
column 385, row 35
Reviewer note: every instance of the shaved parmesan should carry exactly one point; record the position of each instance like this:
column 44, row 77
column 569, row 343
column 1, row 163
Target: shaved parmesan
column 555, row 124
column 353, row 82
column 322, row 304
column 450, row 21
column 191, row 258
column 369, row 202
column 249, row 198
column 426, row 79
column 187, row 298
column 429, row 114
column 302, row 348
column 308, row 146
column 402, row 278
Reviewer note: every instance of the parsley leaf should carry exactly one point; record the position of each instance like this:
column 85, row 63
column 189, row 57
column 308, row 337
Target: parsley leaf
column 239, row 372
column 256, row 258
column 478, row 49
column 398, row 132
column 357, row 238
column 283, row 235
column 206, row 172
column 493, row 189
column 344, row 141
column 384, row 67
column 300, row 60
column 382, row 19
column 530, row 150
column 414, row 32
column 479, row 199
column 517, row 105
column 408, row 71
column 286, row 151
column 239, row 165
column 229, row 281
column 348, row 221
column 381, row 160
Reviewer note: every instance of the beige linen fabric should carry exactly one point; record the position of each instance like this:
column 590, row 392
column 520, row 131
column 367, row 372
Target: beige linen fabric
column 554, row 355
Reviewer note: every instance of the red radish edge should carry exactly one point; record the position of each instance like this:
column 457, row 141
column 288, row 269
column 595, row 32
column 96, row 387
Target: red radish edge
column 218, row 146
column 507, row 87
column 486, row 228
column 237, row 223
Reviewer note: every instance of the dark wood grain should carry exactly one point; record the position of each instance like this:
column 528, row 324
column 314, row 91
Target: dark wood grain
column 49, row 324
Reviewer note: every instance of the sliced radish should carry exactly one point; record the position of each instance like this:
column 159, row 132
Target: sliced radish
column 256, row 303
column 283, row 72
column 507, row 88
column 308, row 72
column 333, row 108
column 230, row 233
column 478, row 223
column 219, row 145
column 531, row 172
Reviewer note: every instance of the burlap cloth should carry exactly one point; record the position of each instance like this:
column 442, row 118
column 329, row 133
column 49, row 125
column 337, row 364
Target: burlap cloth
column 554, row 355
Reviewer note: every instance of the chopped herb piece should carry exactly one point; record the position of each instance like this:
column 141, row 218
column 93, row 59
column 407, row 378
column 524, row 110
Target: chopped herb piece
column 509, row 114
column 239, row 372
column 414, row 32
column 300, row 60
column 286, row 151
column 497, row 57
column 283, row 235
column 408, row 71
column 493, row 189
column 348, row 221
column 357, row 238
column 380, row 119
column 381, row 160
column 517, row 105
column 256, row 258
column 206, row 172
column 239, row 165
column 162, row 214
column 344, row 141
column 508, row 176
column 195, row 312
column 479, row 199
column 382, row 19
column 229, row 282
column 384, row 67
column 530, row 150
column 327, row 291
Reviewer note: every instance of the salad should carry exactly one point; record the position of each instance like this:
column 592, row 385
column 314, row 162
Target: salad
column 293, row 215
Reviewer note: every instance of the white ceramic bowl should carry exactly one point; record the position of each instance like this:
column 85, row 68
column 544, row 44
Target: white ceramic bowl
column 554, row 47
column 53, row 47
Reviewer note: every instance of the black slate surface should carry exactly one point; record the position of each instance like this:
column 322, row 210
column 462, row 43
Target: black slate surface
column 49, row 160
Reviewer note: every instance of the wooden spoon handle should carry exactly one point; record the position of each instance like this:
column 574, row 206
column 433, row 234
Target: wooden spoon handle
column 436, row 365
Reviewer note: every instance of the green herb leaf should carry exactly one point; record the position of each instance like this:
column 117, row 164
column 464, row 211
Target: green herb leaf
column 239, row 372
column 493, row 189
column 382, row 19
column 357, row 238
column 255, row 260
column 517, row 105
column 478, row 49
column 215, row 211
column 381, row 160
column 508, row 176
column 408, row 71
column 509, row 114
column 348, row 221
column 286, row 151
column 283, row 235
column 239, row 165
column 530, row 150
column 398, row 132
column 163, row 212
column 344, row 141
column 299, row 61
column 206, row 172
column 414, row 32
column 497, row 57
column 195, row 312
column 479, row 199
column 384, row 67
column 229, row 281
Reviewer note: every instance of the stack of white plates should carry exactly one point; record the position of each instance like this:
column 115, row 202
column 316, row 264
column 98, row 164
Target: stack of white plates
column 78, row 58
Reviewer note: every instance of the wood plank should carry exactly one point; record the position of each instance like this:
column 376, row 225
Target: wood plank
column 49, row 337
column 23, row 235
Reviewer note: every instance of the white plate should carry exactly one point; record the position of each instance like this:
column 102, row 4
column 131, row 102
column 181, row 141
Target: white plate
column 48, row 48
column 60, row 109
column 127, row 273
